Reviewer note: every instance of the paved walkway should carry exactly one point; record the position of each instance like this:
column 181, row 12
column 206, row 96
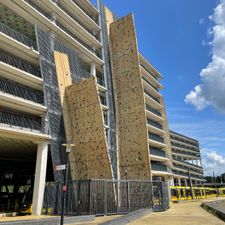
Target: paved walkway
column 186, row 213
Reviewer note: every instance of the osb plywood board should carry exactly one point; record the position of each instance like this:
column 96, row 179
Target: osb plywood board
column 86, row 118
column 84, row 125
column 64, row 80
column 133, row 155
column 109, row 17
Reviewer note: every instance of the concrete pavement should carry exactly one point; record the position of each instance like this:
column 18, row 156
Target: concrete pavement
column 187, row 213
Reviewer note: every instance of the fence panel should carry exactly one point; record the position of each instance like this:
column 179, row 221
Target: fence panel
column 104, row 197
column 111, row 197
column 160, row 196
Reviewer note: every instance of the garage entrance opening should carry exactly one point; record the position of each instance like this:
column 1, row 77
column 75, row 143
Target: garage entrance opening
column 17, row 172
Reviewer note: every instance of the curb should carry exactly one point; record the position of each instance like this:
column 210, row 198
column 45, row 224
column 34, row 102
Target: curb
column 211, row 207
column 52, row 221
column 128, row 217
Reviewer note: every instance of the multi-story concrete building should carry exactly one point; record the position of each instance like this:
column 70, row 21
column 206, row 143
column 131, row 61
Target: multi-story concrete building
column 59, row 85
column 187, row 166
column 39, row 41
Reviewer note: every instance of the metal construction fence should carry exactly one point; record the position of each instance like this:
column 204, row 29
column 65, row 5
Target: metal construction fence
column 104, row 197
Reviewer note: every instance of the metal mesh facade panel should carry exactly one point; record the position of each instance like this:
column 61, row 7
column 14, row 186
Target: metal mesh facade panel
column 53, row 121
column 109, row 86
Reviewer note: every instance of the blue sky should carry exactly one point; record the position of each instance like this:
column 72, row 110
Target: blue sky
column 180, row 40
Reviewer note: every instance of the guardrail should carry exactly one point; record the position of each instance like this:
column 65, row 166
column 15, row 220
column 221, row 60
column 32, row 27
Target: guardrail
column 20, row 120
column 21, row 91
column 150, row 109
column 155, row 137
column 151, row 96
column 159, row 167
column 17, row 35
column 150, row 84
column 95, row 19
column 158, row 152
column 154, row 124
column 19, row 63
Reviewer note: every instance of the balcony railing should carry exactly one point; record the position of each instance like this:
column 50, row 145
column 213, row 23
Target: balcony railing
column 75, row 19
column 150, row 73
column 105, row 118
column 186, row 175
column 103, row 100
column 19, row 63
column 180, row 173
column 182, row 138
column 154, row 124
column 151, row 96
column 95, row 19
column 158, row 152
column 184, row 141
column 20, row 120
column 100, row 81
column 155, row 137
column 150, row 84
column 156, row 112
column 17, row 36
column 21, row 91
column 187, row 168
column 96, row 52
column 186, row 153
column 31, row 3
column 197, row 176
column 159, row 167
column 183, row 146
column 189, row 164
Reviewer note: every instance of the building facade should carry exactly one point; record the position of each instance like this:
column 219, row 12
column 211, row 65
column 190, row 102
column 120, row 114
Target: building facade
column 47, row 46
column 187, row 165
column 72, row 74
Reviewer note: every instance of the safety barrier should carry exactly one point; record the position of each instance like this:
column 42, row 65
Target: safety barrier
column 104, row 197
column 179, row 193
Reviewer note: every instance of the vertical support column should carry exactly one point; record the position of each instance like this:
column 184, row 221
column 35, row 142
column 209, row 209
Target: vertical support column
column 185, row 181
column 179, row 182
column 171, row 181
column 40, row 174
column 93, row 69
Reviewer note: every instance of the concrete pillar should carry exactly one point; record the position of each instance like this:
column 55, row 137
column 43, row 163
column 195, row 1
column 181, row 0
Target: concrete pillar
column 170, row 181
column 179, row 182
column 39, row 181
column 185, row 181
column 93, row 69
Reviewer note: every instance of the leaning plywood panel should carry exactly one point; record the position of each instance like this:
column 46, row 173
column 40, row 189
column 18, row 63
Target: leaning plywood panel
column 65, row 80
column 87, row 123
column 133, row 153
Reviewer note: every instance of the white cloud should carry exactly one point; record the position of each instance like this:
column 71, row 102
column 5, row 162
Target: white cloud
column 212, row 90
column 213, row 162
column 195, row 98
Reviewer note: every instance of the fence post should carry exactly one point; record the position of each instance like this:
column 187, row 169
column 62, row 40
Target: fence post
column 128, row 195
column 105, row 197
